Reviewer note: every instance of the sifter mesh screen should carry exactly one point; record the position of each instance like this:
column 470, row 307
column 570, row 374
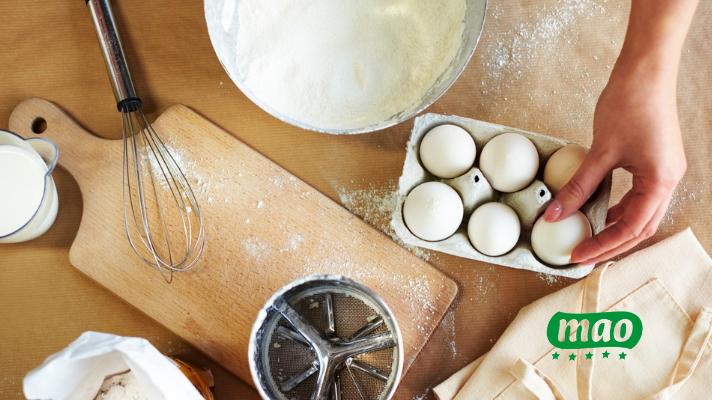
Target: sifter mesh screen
column 287, row 358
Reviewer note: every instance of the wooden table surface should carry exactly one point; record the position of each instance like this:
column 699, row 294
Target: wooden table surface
column 540, row 66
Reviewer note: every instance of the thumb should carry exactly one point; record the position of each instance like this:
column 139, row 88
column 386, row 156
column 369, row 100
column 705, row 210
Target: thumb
column 581, row 186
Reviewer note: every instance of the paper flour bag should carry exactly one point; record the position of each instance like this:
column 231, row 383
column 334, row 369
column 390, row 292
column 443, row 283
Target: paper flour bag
column 77, row 372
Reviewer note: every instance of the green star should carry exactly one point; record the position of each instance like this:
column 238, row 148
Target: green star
column 589, row 355
column 572, row 357
column 556, row 355
column 606, row 354
column 622, row 356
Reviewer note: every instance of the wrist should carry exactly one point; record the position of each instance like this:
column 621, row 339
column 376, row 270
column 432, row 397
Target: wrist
column 654, row 40
column 656, row 67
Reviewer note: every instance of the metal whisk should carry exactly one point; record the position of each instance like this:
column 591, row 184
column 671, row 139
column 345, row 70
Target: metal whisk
column 161, row 215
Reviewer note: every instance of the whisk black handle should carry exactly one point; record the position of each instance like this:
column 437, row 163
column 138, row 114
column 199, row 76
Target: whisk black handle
column 114, row 58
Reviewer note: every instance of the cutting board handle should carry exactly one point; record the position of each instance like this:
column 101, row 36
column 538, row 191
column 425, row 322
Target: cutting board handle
column 80, row 152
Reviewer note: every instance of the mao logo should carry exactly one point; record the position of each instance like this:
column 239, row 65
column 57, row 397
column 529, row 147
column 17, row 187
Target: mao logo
column 585, row 331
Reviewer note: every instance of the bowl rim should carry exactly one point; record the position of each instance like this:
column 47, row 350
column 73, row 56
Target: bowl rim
column 214, row 33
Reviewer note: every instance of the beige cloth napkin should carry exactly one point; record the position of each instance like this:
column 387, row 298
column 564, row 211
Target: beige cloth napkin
column 668, row 285
column 449, row 388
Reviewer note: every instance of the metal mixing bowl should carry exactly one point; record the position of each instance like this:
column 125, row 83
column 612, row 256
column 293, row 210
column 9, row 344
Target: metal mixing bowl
column 219, row 12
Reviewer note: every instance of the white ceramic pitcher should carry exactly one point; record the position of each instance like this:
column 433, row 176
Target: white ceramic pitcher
column 28, row 197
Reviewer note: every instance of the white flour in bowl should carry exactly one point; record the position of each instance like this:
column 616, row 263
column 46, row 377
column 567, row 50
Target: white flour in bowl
column 344, row 64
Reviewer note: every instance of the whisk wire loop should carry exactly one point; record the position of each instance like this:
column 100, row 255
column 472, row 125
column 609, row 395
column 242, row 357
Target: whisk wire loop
column 147, row 162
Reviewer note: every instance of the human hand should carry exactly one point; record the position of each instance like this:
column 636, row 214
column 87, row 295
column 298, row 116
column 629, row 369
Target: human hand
column 635, row 128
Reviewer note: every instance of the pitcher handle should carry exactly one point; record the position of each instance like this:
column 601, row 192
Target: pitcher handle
column 47, row 150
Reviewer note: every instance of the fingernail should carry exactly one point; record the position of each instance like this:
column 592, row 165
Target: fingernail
column 579, row 261
column 553, row 211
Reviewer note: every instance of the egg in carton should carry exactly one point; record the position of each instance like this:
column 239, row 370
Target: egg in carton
column 529, row 203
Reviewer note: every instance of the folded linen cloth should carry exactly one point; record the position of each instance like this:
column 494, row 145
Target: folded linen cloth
column 668, row 285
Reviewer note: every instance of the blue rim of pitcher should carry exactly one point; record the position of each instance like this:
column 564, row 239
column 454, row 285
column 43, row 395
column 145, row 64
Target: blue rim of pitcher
column 50, row 168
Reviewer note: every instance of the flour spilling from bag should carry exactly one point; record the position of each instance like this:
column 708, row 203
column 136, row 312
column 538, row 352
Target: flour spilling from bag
column 121, row 387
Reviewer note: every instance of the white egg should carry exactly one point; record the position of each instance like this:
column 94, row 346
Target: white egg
column 447, row 151
column 562, row 166
column 433, row 211
column 509, row 162
column 494, row 229
column 554, row 242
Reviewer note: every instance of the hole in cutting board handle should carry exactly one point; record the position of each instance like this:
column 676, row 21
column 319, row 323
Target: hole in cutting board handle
column 38, row 125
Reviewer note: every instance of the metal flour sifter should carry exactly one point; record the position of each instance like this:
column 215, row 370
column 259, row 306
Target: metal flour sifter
column 326, row 337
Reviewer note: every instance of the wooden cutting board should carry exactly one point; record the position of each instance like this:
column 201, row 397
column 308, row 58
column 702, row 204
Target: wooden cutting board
column 264, row 228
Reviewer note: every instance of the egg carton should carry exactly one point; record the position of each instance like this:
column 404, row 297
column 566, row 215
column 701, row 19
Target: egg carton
column 529, row 203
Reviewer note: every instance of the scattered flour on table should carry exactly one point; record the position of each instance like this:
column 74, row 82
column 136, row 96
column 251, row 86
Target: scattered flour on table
column 9, row 382
column 684, row 194
column 422, row 395
column 510, row 56
column 477, row 283
column 448, row 325
column 204, row 187
column 482, row 286
column 121, row 387
column 255, row 248
column 340, row 64
column 548, row 43
column 293, row 242
column 281, row 180
column 548, row 278
column 376, row 206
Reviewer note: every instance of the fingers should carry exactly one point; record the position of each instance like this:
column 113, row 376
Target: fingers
column 581, row 186
column 640, row 218
column 653, row 225
column 615, row 213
